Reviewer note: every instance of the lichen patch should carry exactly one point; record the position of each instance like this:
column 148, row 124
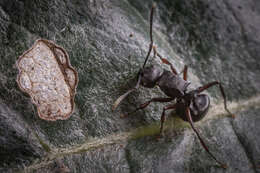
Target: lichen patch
column 46, row 75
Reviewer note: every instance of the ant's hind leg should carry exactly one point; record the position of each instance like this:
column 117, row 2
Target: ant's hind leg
column 144, row 105
column 185, row 72
column 164, row 61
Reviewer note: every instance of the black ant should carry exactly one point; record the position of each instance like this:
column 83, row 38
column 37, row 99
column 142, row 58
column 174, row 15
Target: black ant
column 191, row 105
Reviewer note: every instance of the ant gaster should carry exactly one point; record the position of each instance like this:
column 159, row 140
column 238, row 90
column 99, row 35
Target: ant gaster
column 191, row 105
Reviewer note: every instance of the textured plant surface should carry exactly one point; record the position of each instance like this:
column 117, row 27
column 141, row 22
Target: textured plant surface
column 218, row 40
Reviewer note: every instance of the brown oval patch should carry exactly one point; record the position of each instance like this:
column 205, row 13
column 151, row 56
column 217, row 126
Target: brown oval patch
column 46, row 75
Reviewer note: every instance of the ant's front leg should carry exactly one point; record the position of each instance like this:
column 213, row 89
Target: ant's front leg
column 202, row 88
column 144, row 105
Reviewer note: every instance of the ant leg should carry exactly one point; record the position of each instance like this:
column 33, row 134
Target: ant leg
column 185, row 73
column 122, row 97
column 201, row 140
column 144, row 105
column 163, row 116
column 202, row 88
column 165, row 61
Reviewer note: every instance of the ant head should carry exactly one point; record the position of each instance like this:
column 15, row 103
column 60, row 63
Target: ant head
column 197, row 103
column 199, row 106
column 150, row 75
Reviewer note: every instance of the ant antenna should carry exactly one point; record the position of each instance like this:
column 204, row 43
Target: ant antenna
column 122, row 97
column 151, row 35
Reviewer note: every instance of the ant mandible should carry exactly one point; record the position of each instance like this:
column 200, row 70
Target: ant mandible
column 190, row 106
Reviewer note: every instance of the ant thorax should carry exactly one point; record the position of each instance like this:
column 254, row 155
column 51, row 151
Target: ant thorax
column 172, row 85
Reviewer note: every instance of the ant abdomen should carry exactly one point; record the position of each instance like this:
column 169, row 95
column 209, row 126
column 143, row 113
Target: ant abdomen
column 150, row 76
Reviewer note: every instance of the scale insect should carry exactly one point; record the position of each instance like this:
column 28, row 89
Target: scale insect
column 191, row 106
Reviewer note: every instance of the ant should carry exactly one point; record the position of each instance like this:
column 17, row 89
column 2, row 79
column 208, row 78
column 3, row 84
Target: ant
column 190, row 106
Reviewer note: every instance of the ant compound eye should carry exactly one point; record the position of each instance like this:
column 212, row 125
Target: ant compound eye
column 47, row 76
